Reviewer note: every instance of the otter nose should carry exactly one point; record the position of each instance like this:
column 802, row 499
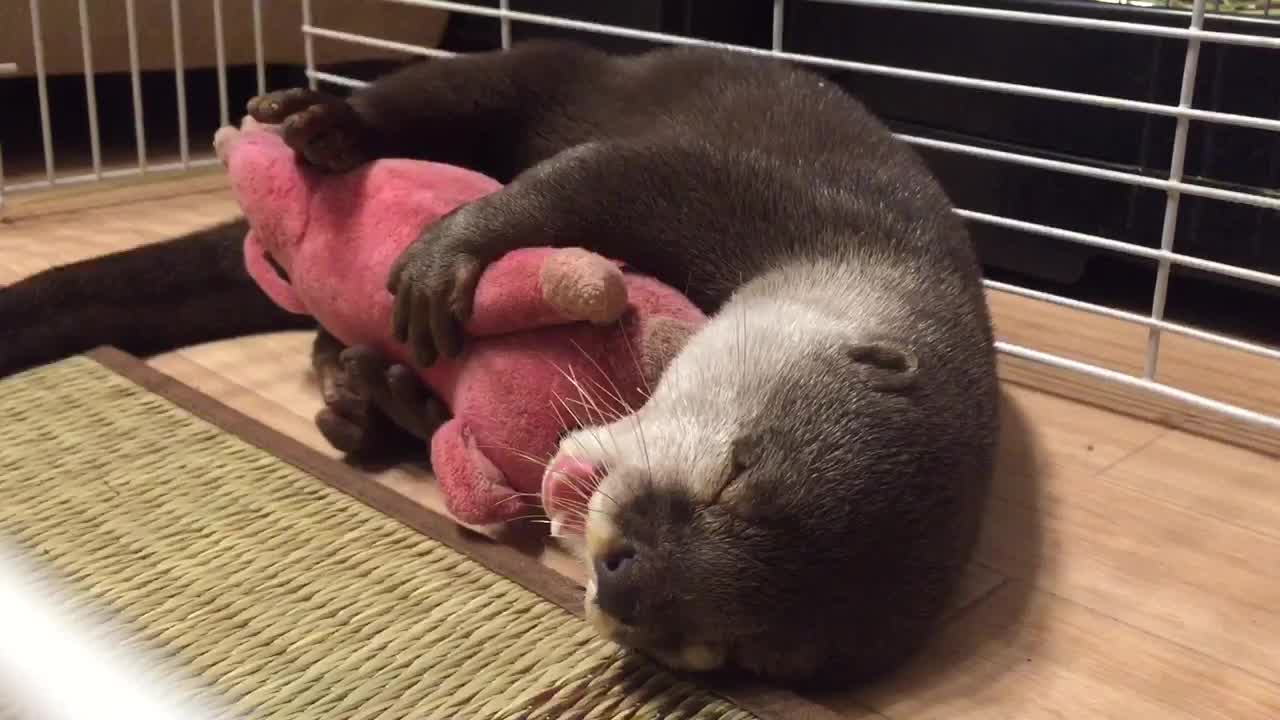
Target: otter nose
column 616, row 590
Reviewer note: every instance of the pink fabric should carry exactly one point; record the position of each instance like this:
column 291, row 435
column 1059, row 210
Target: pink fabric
column 280, row 292
column 512, row 392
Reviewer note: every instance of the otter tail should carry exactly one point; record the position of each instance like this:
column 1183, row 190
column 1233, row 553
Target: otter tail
column 147, row 300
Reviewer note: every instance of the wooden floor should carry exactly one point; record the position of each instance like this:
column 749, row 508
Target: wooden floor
column 1129, row 570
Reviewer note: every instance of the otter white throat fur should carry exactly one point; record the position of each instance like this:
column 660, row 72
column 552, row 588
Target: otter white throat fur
column 803, row 489
column 789, row 451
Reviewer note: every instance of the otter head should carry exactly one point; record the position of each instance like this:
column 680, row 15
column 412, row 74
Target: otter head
column 782, row 504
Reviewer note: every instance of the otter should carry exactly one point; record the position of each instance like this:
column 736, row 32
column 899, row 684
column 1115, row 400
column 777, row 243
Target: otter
column 802, row 490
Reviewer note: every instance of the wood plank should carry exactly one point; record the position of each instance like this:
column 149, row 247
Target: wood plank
column 1059, row 520
column 1227, row 484
column 113, row 192
column 30, row 245
column 1218, row 373
column 1081, row 434
column 1026, row 654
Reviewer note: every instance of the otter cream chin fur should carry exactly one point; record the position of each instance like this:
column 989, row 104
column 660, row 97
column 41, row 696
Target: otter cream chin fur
column 760, row 468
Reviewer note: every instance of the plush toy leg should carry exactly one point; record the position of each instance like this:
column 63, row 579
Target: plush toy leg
column 476, row 492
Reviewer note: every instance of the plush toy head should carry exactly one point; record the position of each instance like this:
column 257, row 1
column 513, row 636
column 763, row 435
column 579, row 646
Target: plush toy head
column 272, row 191
column 322, row 228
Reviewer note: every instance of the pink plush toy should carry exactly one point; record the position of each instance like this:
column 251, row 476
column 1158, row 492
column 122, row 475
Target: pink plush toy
column 547, row 325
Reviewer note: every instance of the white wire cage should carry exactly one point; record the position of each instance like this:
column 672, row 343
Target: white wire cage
column 1189, row 27
column 193, row 102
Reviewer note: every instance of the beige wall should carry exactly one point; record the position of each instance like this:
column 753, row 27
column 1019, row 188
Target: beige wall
column 280, row 18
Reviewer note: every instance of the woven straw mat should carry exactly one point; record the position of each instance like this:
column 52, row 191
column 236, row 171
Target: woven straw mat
column 270, row 588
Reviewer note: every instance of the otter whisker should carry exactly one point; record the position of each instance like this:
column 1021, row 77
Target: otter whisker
column 616, row 392
column 601, row 421
column 577, row 420
column 584, row 493
column 563, row 423
column 583, row 427
column 575, row 504
column 518, row 453
column 636, row 425
column 528, row 494
column 584, row 490
column 538, row 520
column 576, row 483
column 635, row 360
column 585, row 399
column 530, row 517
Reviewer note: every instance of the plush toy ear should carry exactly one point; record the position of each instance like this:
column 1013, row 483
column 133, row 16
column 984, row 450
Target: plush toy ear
column 664, row 338
column 887, row 365
column 223, row 141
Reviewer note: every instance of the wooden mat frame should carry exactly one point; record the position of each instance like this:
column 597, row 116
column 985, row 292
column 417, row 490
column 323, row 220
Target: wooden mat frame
column 768, row 703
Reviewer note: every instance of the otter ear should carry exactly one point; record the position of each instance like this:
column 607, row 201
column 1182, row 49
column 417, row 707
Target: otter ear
column 889, row 366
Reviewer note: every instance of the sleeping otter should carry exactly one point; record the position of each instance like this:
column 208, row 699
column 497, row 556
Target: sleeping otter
column 804, row 486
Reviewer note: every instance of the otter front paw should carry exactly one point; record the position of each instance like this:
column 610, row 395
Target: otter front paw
column 320, row 127
column 434, row 281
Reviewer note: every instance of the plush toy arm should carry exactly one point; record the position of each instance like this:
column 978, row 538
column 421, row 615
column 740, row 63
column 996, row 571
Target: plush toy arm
column 532, row 288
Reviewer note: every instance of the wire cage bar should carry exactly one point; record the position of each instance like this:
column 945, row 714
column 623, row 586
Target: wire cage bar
column 1196, row 31
column 180, row 78
column 779, row 18
column 90, row 90
column 220, row 48
column 259, row 50
column 309, row 48
column 1191, row 64
column 42, row 87
column 505, row 26
column 135, row 81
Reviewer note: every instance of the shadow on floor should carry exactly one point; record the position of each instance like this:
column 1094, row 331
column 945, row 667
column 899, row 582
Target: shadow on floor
column 993, row 606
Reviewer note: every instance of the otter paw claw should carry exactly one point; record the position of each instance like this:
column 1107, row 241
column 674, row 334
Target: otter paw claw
column 346, row 421
column 395, row 390
column 350, row 420
column 322, row 128
column 434, row 282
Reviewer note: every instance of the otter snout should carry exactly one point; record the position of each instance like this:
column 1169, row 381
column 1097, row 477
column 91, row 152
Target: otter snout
column 618, row 590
